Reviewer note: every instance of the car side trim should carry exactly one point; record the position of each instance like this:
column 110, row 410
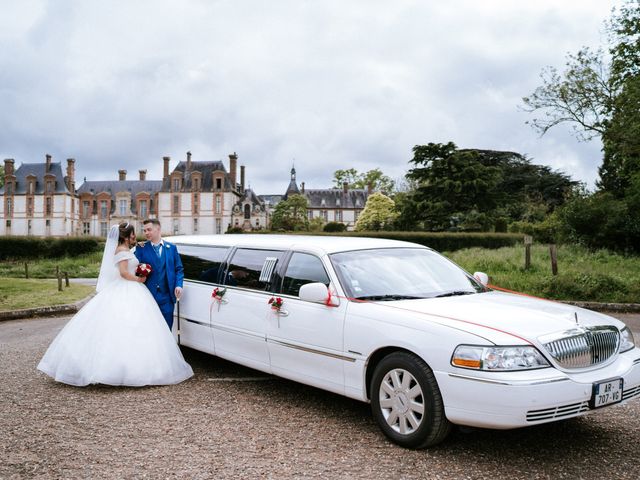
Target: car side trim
column 312, row 350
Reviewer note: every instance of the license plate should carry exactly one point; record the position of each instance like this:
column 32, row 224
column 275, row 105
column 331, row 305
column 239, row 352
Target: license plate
column 606, row 393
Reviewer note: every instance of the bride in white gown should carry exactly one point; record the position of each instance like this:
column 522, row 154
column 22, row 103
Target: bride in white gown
column 120, row 336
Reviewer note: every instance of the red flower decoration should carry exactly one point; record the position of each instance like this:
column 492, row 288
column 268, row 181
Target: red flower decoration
column 143, row 270
column 275, row 302
column 217, row 293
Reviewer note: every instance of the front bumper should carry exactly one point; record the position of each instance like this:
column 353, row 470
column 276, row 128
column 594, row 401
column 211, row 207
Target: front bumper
column 505, row 400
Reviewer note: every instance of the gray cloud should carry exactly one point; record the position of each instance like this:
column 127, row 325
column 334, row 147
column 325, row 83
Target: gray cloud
column 330, row 84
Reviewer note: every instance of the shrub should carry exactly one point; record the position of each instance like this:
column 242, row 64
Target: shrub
column 36, row 247
column 335, row 227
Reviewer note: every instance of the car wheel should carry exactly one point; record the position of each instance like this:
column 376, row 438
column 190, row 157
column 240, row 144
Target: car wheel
column 406, row 401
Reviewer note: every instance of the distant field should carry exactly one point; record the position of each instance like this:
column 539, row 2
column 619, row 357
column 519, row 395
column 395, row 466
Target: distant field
column 17, row 293
column 82, row 266
column 599, row 276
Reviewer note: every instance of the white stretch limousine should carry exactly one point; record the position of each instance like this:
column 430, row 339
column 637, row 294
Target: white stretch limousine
column 400, row 326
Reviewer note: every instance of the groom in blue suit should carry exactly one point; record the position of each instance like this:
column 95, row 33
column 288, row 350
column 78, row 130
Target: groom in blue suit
column 165, row 280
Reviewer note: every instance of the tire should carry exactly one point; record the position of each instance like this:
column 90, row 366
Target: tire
column 406, row 401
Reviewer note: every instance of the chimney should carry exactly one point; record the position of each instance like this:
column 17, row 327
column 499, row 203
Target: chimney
column 8, row 166
column 241, row 178
column 48, row 160
column 165, row 172
column 302, row 187
column 233, row 161
column 71, row 174
column 345, row 187
column 188, row 161
column 143, row 175
column 122, row 174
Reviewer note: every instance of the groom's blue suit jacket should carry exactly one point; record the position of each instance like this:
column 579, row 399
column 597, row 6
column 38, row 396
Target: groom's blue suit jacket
column 172, row 263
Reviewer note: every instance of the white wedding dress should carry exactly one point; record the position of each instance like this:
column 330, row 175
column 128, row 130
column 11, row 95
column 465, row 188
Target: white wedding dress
column 118, row 338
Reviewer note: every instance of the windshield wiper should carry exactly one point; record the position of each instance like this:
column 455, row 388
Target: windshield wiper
column 388, row 297
column 455, row 293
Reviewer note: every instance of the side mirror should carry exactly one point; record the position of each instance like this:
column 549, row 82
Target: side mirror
column 317, row 293
column 482, row 277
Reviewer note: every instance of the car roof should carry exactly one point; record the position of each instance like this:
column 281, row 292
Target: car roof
column 320, row 243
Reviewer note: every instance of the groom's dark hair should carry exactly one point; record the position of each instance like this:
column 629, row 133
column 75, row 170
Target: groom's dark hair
column 155, row 221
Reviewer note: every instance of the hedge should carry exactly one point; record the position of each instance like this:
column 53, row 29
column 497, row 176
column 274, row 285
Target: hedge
column 440, row 241
column 15, row 248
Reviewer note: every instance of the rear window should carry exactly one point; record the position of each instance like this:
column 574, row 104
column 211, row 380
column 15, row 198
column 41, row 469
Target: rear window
column 202, row 264
column 254, row 269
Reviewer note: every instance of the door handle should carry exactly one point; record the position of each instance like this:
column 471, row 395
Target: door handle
column 282, row 313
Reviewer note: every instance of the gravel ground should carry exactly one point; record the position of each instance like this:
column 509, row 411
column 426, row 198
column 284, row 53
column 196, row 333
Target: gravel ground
column 230, row 422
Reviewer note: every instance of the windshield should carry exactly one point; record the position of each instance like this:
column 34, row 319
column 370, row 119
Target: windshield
column 401, row 273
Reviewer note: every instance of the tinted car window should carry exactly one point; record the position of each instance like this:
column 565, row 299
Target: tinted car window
column 303, row 268
column 252, row 268
column 202, row 264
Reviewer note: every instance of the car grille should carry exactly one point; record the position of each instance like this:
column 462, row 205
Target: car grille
column 584, row 347
column 557, row 412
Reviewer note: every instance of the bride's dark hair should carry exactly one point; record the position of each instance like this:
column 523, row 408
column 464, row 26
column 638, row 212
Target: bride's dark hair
column 125, row 229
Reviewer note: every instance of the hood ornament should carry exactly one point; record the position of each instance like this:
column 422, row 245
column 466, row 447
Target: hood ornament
column 576, row 315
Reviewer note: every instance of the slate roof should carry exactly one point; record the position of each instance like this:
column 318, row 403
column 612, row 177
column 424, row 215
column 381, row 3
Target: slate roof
column 336, row 198
column 114, row 186
column 39, row 170
column 206, row 169
column 252, row 197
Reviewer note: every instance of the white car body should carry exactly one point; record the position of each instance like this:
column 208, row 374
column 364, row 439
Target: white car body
column 336, row 346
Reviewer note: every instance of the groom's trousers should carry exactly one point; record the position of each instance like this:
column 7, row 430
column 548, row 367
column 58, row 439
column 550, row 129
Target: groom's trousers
column 166, row 307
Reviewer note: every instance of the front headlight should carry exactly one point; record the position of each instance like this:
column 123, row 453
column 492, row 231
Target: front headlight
column 498, row 359
column 626, row 340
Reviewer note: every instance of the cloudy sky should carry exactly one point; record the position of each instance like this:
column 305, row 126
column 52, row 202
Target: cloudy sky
column 327, row 84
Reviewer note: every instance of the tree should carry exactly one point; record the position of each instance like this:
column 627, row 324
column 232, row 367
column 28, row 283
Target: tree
column 291, row 214
column 378, row 214
column 599, row 97
column 374, row 178
column 1, row 176
column 451, row 181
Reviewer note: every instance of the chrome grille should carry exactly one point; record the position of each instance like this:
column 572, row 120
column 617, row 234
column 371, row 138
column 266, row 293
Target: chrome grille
column 557, row 412
column 583, row 347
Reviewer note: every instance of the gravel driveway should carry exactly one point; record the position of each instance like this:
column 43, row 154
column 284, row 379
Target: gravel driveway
column 232, row 422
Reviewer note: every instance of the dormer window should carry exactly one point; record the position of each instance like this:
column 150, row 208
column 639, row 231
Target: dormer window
column 196, row 184
column 337, row 202
column 176, row 184
column 31, row 189
column 218, row 184
column 323, row 203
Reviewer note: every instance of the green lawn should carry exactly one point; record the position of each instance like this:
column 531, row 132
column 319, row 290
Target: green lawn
column 82, row 266
column 18, row 293
column 599, row 276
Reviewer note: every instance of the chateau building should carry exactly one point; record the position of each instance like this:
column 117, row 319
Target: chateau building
column 196, row 197
column 331, row 204
column 38, row 199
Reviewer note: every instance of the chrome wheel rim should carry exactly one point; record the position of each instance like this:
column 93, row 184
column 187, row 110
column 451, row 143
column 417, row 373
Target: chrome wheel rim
column 401, row 401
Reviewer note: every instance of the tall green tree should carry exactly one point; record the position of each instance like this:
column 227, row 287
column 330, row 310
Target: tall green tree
column 600, row 97
column 291, row 214
column 451, row 181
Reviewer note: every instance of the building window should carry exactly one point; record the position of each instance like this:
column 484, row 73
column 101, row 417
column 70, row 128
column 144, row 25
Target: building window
column 103, row 209
column 196, row 184
column 195, row 225
column 325, row 215
column 9, row 208
column 123, row 208
column 103, row 229
column 85, row 208
column 8, row 223
column 195, row 203
column 310, row 214
column 338, row 215
column 47, row 210
column 323, row 202
column 49, row 187
column 29, row 206
column 176, row 204
column 29, row 225
column 337, row 202
column 176, row 226
column 257, row 223
column 32, row 188
column 247, row 211
column 86, row 228
column 176, row 184
column 218, row 204
column 143, row 209
column 218, row 184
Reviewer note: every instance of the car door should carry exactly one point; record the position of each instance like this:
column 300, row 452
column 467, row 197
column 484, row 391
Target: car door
column 202, row 266
column 239, row 318
column 305, row 339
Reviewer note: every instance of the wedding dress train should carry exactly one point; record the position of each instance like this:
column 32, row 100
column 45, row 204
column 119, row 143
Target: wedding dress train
column 118, row 338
